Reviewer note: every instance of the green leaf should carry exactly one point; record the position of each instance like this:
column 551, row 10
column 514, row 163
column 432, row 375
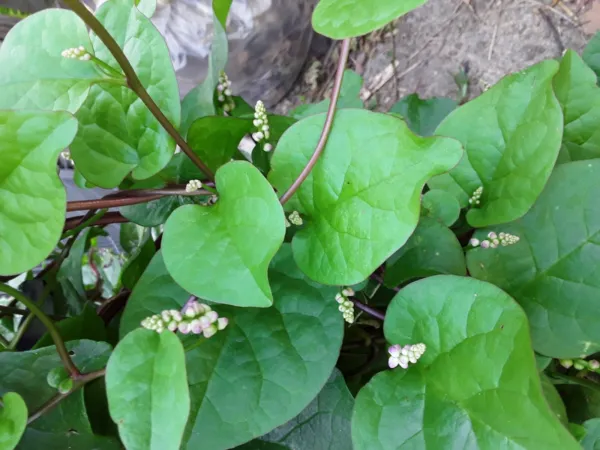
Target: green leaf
column 476, row 386
column 512, row 135
column 324, row 424
column 553, row 399
column 579, row 96
column 32, row 197
column 132, row 237
column 13, row 419
column 117, row 133
column 349, row 97
column 591, row 54
column 35, row 76
column 339, row 19
column 261, row 445
column 147, row 390
column 70, row 277
column 215, row 139
column 88, row 325
column 221, row 253
column 431, row 250
column 591, row 440
column 66, row 425
column 423, row 116
column 199, row 102
column 358, row 206
column 146, row 7
column 264, row 368
column 156, row 212
column 440, row 205
column 554, row 270
column 135, row 267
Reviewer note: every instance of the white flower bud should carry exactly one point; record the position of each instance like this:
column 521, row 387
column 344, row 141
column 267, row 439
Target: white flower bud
column 193, row 186
column 222, row 323
column 268, row 147
column 210, row 331
column 474, row 242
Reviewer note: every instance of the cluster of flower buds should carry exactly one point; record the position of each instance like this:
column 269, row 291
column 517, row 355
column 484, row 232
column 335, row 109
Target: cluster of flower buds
column 402, row 356
column 581, row 364
column 294, row 219
column 224, row 92
column 196, row 318
column 261, row 122
column 79, row 53
column 193, row 186
column 475, row 198
column 346, row 306
column 494, row 240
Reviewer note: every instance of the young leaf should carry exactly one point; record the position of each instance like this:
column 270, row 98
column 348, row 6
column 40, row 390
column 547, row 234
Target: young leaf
column 137, row 263
column 216, row 138
column 423, row 115
column 35, row 75
column 118, row 134
column 261, row 370
column 221, row 253
column 199, row 102
column 446, row 400
column 32, row 197
column 13, row 419
column 591, row 54
column 156, row 212
column 66, row 425
column 440, row 205
column 339, row 19
column 147, row 390
column 579, row 97
column 553, row 271
column 432, row 249
column 361, row 201
column 591, row 440
column 512, row 135
column 324, row 424
column 70, row 277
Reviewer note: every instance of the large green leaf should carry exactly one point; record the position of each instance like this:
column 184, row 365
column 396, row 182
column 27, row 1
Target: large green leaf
column 591, row 440
column 591, row 54
column 32, row 197
column 221, row 253
column 66, row 425
column 118, row 134
column 432, row 249
column 13, row 419
column 553, row 399
column 554, row 270
column 34, row 75
column 512, row 135
column 361, row 201
column 440, row 205
column 215, row 139
column 476, row 386
column 264, row 368
column 324, row 424
column 423, row 115
column 147, row 390
column 339, row 19
column 579, row 97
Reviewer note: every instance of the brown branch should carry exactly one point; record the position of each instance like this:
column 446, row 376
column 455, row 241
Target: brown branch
column 379, row 279
column 337, row 85
column 107, row 219
column 372, row 312
column 133, row 81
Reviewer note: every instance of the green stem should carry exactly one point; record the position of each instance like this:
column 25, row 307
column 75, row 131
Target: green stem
column 20, row 332
column 52, row 330
column 4, row 342
column 84, row 224
column 575, row 380
column 194, row 345
column 134, row 82
column 109, row 70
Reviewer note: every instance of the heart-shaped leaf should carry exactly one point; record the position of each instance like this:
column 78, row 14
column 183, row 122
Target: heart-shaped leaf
column 34, row 74
column 423, row 115
column 554, row 270
column 440, row 205
column 512, row 135
column 282, row 355
column 32, row 197
column 66, row 425
column 118, row 134
column 579, row 97
column 13, row 419
column 222, row 253
column 339, row 19
column 361, row 201
column 147, row 390
column 432, row 249
column 215, row 139
column 476, row 386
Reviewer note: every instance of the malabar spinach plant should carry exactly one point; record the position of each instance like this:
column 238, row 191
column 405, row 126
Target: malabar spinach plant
column 427, row 278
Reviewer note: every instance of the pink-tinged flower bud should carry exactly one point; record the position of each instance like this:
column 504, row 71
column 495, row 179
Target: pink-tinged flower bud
column 593, row 364
column 222, row 323
column 474, row 242
column 184, row 327
column 210, row 331
column 196, row 326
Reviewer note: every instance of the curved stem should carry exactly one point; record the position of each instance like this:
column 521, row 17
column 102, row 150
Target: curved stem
column 52, row 330
column 337, row 86
column 133, row 81
column 108, row 218
column 85, row 222
column 373, row 312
